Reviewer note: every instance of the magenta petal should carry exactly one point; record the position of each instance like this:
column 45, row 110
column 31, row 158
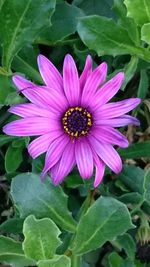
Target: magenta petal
column 84, row 158
column 64, row 166
column 31, row 126
column 96, row 78
column 71, row 81
column 86, row 72
column 50, row 74
column 31, row 110
column 117, row 109
column 107, row 91
column 118, row 122
column 109, row 135
column 54, row 153
column 42, row 143
column 107, row 153
column 100, row 169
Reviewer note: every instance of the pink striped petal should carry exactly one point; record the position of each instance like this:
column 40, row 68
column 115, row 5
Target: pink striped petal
column 100, row 169
column 41, row 144
column 54, row 153
column 119, row 108
column 40, row 96
column 84, row 158
column 86, row 72
column 109, row 135
column 64, row 166
column 107, row 153
column 31, row 110
column 118, row 122
column 31, row 126
column 107, row 91
column 71, row 81
column 50, row 74
column 96, row 78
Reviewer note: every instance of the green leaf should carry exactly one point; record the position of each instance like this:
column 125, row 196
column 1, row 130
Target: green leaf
column 139, row 10
column 11, row 253
column 127, row 243
column 133, row 178
column 143, row 85
column 131, row 198
column 136, row 151
column 114, row 260
column 64, row 23
column 6, row 89
column 26, row 62
column 147, row 186
column 130, row 70
column 96, row 7
column 57, row 261
column 104, row 220
column 4, row 139
column 106, row 37
column 12, row 226
column 127, row 23
column 41, row 238
column 16, row 19
column 12, row 153
column 145, row 33
column 31, row 196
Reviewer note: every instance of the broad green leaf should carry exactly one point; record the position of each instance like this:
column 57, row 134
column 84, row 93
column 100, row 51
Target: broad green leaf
column 4, row 139
column 114, row 260
column 11, row 253
column 26, row 62
column 12, row 153
column 127, row 243
column 12, row 226
column 64, row 23
column 105, row 220
column 106, row 37
column 132, row 177
column 42, row 199
column 96, row 7
column 136, row 151
column 131, row 198
column 147, row 186
column 145, row 33
column 41, row 238
column 139, row 10
column 57, row 261
column 127, row 23
column 22, row 21
column 130, row 70
column 143, row 85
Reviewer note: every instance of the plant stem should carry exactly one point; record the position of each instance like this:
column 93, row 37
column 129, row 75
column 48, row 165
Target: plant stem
column 75, row 261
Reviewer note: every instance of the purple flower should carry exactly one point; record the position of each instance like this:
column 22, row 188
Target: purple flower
column 73, row 120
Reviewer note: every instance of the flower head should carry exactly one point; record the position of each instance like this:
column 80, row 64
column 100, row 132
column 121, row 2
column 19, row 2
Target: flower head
column 73, row 120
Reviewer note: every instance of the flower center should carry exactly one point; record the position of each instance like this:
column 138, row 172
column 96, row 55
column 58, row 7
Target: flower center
column 77, row 121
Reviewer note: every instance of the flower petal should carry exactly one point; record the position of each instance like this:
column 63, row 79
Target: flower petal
column 119, row 121
column 50, row 74
column 107, row 91
column 100, row 169
column 64, row 166
column 54, row 153
column 71, row 81
column 109, row 135
column 96, row 78
column 107, row 153
column 42, row 143
column 31, row 126
column 86, row 72
column 84, row 158
column 31, row 110
column 40, row 96
column 119, row 108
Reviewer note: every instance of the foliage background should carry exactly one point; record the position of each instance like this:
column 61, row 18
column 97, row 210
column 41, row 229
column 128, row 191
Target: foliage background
column 72, row 225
